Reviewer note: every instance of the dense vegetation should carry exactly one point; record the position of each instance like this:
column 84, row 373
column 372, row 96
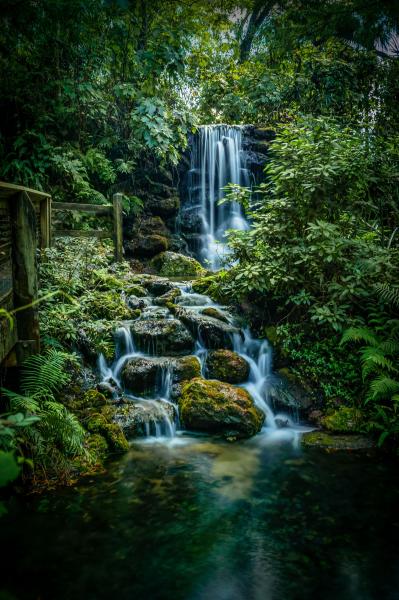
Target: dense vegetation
column 99, row 96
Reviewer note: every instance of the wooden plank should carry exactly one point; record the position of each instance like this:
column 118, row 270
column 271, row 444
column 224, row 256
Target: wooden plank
column 9, row 189
column 98, row 209
column 118, row 227
column 82, row 233
column 24, row 228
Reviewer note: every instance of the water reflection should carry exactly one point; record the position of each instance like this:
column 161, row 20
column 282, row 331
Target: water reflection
column 199, row 519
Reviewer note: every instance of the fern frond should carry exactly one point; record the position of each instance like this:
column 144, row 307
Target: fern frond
column 388, row 293
column 382, row 388
column 360, row 334
column 20, row 403
column 44, row 373
column 374, row 359
column 390, row 347
column 63, row 428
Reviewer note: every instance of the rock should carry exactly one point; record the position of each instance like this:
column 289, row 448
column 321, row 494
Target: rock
column 186, row 368
column 134, row 289
column 217, row 407
column 136, row 303
column 138, row 418
column 141, row 375
column 213, row 333
column 100, row 423
column 158, row 286
column 147, row 245
column 328, row 441
column 287, row 391
column 215, row 313
column 281, row 423
column 170, row 296
column 226, row 365
column 164, row 207
column 172, row 264
column 264, row 133
column 191, row 220
column 344, row 420
column 162, row 336
column 109, row 389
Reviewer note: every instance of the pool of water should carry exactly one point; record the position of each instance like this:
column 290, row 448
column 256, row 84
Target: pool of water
column 200, row 519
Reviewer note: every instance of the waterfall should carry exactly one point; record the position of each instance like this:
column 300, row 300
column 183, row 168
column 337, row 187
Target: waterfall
column 217, row 159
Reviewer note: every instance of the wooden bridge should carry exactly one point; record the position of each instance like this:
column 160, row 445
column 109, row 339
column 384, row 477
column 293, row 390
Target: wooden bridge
column 25, row 226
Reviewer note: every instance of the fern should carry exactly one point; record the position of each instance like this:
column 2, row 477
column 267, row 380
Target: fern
column 382, row 387
column 388, row 293
column 360, row 334
column 44, row 373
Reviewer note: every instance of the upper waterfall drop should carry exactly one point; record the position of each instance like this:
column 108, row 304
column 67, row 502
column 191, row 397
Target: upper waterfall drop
column 217, row 158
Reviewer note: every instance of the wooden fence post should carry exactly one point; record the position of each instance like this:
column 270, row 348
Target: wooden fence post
column 23, row 218
column 45, row 223
column 118, row 233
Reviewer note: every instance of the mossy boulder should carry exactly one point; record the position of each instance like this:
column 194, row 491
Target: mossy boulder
column 212, row 332
column 172, row 264
column 170, row 296
column 105, row 281
column 162, row 336
column 135, row 289
column 227, row 366
column 186, row 368
column 139, row 418
column 105, row 305
column 101, row 424
column 217, row 407
column 344, row 420
column 330, row 442
column 141, row 375
column 158, row 286
column 97, row 446
column 210, row 311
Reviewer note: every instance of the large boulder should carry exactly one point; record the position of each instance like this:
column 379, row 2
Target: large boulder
column 162, row 336
column 212, row 332
column 211, row 311
column 345, row 419
column 287, row 391
column 172, row 264
column 142, row 417
column 227, row 366
column 216, row 407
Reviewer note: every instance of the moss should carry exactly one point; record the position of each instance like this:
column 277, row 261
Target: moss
column 172, row 264
column 97, row 446
column 135, row 289
column 186, row 368
column 271, row 335
column 215, row 313
column 105, row 281
column 219, row 407
column 100, row 423
column 226, row 365
column 328, row 441
column 168, row 298
column 344, row 420
column 105, row 305
column 94, row 398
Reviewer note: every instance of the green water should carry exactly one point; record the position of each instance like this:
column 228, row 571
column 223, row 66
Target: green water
column 207, row 520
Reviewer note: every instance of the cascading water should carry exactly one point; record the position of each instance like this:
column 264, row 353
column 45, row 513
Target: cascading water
column 217, row 159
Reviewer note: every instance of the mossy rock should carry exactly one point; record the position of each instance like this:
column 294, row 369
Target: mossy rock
column 172, row 264
column 344, row 420
column 146, row 246
column 164, row 207
column 210, row 311
column 94, row 399
column 105, row 281
column 97, row 446
column 162, row 336
column 170, row 296
column 186, row 368
column 135, row 289
column 217, row 407
column 105, row 305
column 227, row 366
column 214, row 333
column 330, row 442
column 141, row 374
column 100, row 423
column 97, row 337
column 136, row 418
